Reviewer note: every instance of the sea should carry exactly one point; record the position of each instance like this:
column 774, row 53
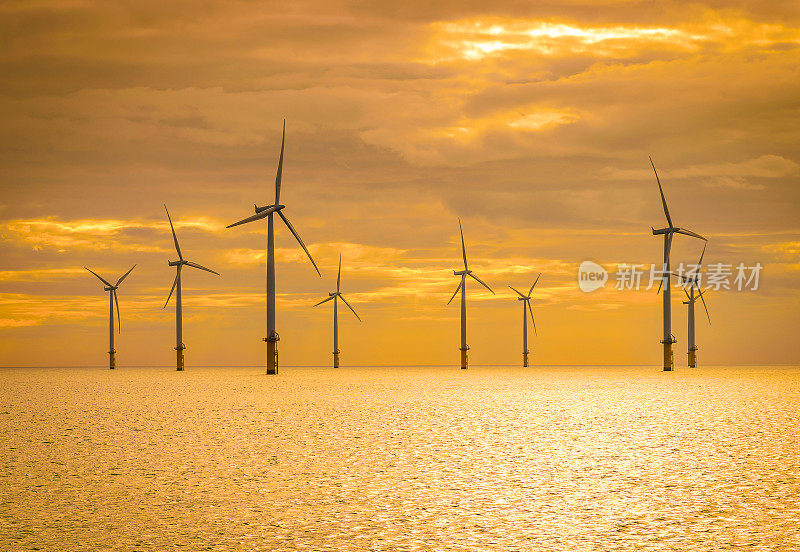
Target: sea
column 496, row 458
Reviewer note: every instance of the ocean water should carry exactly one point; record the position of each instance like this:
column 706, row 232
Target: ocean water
column 433, row 458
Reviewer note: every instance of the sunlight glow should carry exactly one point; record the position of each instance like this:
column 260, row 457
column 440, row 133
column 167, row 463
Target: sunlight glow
column 474, row 40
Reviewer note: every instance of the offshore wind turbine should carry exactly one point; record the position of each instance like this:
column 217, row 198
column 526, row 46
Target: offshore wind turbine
column 462, row 286
column 668, row 232
column 526, row 308
column 176, row 287
column 267, row 212
column 112, row 300
column 335, row 296
column 694, row 284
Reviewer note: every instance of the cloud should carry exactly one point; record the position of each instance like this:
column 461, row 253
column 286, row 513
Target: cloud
column 45, row 274
column 93, row 233
column 765, row 166
column 591, row 307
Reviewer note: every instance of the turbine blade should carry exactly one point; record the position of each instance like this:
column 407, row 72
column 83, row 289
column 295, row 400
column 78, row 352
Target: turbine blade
column 100, row 277
column 686, row 232
column 325, row 300
column 257, row 216
column 518, row 293
column 174, row 283
column 339, row 276
column 660, row 283
column 280, row 167
column 686, row 292
column 704, row 304
column 700, row 262
column 174, row 237
column 530, row 310
column 292, row 230
column 116, row 301
column 461, row 283
column 201, row 267
column 534, row 284
column 463, row 247
column 125, row 275
column 349, row 307
column 481, row 282
column 661, row 191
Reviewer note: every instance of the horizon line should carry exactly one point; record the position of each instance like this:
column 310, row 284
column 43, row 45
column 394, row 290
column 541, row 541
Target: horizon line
column 2, row 367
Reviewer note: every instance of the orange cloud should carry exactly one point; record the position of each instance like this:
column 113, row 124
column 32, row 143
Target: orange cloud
column 93, row 233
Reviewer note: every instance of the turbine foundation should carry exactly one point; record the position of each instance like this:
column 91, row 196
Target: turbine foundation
column 112, row 360
column 668, row 357
column 336, row 359
column 272, row 355
column 463, row 359
column 525, row 359
column 179, row 362
column 693, row 357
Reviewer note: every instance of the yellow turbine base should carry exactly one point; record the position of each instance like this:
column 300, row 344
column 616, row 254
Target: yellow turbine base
column 693, row 358
column 112, row 360
column 464, row 359
column 335, row 360
column 525, row 360
column 272, row 357
column 668, row 359
column 180, row 359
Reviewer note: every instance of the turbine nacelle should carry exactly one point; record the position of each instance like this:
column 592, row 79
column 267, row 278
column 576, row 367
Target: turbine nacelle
column 272, row 208
column 110, row 288
column 462, row 272
column 677, row 230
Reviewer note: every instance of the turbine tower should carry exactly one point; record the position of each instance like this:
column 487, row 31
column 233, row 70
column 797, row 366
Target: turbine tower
column 335, row 296
column 112, row 299
column 668, row 232
column 176, row 287
column 462, row 286
column 526, row 308
column 267, row 212
column 694, row 284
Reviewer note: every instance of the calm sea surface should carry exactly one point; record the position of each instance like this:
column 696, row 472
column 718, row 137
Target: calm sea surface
column 544, row 458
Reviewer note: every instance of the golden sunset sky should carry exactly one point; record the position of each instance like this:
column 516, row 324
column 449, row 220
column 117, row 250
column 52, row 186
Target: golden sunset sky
column 532, row 121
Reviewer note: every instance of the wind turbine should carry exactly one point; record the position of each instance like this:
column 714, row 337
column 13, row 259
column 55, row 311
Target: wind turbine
column 335, row 296
column 267, row 212
column 526, row 308
column 668, row 232
column 694, row 283
column 112, row 299
column 176, row 287
column 462, row 286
